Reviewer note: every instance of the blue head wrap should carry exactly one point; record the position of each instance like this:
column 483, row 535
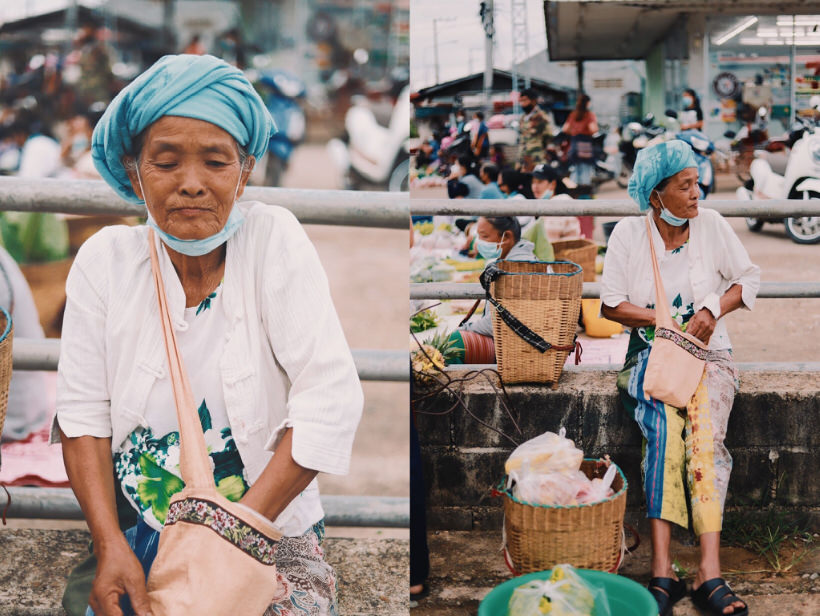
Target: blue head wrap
column 199, row 87
column 655, row 164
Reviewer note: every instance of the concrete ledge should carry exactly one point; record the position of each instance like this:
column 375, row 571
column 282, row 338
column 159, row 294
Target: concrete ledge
column 372, row 573
column 771, row 437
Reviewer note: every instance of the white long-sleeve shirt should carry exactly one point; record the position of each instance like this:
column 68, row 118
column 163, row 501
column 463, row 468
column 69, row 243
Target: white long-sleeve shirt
column 285, row 362
column 717, row 260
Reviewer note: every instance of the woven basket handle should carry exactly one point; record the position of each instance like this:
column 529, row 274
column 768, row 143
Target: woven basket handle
column 493, row 272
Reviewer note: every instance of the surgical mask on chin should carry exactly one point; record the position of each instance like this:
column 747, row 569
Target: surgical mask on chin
column 488, row 250
column 547, row 194
column 668, row 217
column 197, row 248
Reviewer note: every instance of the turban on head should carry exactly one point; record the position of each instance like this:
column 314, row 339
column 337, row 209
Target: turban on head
column 200, row 87
column 655, row 164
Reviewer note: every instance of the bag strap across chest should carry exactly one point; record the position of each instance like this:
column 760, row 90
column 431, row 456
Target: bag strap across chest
column 193, row 456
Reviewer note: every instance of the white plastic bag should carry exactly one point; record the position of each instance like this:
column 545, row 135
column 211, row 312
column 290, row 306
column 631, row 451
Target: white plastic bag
column 547, row 453
column 565, row 593
column 598, row 489
column 550, row 489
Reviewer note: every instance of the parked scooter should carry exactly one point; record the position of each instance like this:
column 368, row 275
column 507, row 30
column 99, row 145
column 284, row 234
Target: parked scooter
column 800, row 181
column 372, row 153
column 283, row 93
column 703, row 149
column 634, row 137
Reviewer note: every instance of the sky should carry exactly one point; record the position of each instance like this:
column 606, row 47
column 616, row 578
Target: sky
column 17, row 9
column 461, row 41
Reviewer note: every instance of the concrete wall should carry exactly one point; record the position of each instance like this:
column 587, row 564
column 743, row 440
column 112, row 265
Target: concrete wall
column 772, row 437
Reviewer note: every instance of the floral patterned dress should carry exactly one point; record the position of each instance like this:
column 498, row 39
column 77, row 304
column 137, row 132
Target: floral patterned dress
column 147, row 469
column 681, row 446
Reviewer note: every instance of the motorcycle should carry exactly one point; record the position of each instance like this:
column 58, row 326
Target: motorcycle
column 703, row 148
column 282, row 93
column 801, row 180
column 560, row 157
column 636, row 136
column 372, row 153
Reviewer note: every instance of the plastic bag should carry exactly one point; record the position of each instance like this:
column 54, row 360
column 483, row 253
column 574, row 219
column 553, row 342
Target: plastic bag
column 550, row 489
column 565, row 593
column 598, row 489
column 547, row 453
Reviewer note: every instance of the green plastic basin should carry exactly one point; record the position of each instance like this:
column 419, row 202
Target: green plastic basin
column 625, row 597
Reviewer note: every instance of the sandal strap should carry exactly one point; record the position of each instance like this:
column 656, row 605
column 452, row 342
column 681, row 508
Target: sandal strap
column 718, row 593
column 672, row 587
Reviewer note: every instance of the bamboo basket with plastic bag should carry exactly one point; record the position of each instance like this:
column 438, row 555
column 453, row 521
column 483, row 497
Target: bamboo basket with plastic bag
column 564, row 593
column 560, row 507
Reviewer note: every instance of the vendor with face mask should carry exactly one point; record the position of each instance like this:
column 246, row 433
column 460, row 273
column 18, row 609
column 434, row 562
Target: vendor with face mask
column 497, row 238
column 706, row 274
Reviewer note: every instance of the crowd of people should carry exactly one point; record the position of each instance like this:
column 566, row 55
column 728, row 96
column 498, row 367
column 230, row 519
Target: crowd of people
column 50, row 102
column 462, row 151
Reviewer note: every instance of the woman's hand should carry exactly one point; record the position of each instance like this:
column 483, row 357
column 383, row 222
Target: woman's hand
column 702, row 325
column 118, row 573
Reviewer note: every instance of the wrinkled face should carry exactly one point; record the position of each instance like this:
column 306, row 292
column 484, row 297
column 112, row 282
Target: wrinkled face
column 190, row 172
column 681, row 194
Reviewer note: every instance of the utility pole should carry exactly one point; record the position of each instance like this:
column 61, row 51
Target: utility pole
column 486, row 14
column 435, row 41
column 520, row 40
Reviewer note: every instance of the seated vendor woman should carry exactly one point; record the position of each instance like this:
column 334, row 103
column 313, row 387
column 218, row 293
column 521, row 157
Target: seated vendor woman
column 706, row 274
column 276, row 389
column 497, row 238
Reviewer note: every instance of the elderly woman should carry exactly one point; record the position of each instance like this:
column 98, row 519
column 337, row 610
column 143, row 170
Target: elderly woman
column 706, row 274
column 278, row 394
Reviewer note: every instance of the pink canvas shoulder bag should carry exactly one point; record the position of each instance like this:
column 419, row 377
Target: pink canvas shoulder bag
column 677, row 359
column 215, row 556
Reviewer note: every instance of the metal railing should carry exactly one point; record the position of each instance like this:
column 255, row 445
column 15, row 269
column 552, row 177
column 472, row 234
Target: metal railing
column 592, row 290
column 326, row 207
column 371, row 364
column 765, row 208
column 773, row 208
column 61, row 504
column 319, row 207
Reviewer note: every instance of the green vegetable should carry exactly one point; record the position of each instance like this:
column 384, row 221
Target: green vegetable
column 423, row 321
column 34, row 237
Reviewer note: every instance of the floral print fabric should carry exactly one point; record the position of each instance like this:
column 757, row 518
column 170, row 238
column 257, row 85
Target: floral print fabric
column 224, row 523
column 684, row 444
column 148, row 468
column 306, row 584
column 147, row 464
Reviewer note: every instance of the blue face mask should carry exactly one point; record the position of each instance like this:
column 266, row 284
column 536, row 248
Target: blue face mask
column 197, row 248
column 547, row 194
column 488, row 250
column 668, row 217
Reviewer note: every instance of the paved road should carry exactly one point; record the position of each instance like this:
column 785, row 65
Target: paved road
column 368, row 273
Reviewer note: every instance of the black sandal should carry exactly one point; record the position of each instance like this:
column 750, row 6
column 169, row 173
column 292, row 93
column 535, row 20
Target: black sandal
column 667, row 592
column 715, row 595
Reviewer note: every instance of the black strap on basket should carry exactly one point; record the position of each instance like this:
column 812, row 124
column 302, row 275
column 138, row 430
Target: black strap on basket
column 493, row 272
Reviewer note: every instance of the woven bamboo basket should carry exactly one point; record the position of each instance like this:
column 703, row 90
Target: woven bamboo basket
column 581, row 251
column 539, row 537
column 7, row 330
column 547, row 303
